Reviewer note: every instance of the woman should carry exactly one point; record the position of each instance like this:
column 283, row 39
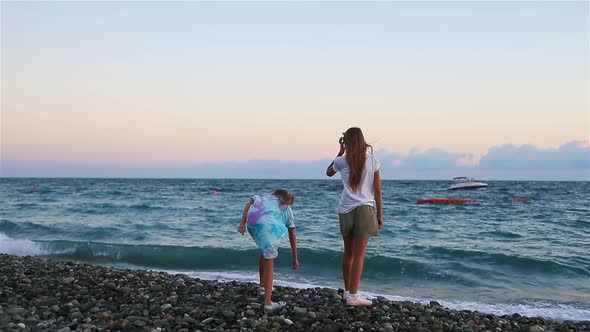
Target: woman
column 361, row 179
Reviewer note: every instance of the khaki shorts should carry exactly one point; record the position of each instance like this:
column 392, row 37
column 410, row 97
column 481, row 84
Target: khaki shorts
column 360, row 222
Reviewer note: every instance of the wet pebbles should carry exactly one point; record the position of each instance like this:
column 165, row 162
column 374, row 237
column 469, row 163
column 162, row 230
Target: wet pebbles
column 43, row 295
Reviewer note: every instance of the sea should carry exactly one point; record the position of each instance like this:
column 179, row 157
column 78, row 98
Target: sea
column 501, row 254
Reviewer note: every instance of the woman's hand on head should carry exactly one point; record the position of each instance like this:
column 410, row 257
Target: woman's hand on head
column 342, row 146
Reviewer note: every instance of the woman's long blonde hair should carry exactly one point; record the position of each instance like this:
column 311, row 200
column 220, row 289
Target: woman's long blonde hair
column 356, row 155
column 286, row 198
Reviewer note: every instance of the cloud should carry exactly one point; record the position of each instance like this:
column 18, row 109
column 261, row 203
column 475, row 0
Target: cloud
column 467, row 160
column 574, row 155
column 427, row 160
column 571, row 161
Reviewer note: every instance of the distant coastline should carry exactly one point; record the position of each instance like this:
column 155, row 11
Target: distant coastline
column 256, row 178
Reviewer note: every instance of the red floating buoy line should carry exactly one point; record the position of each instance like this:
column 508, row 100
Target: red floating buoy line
column 445, row 201
column 463, row 201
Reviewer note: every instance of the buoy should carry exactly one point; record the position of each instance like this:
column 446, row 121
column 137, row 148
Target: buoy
column 213, row 192
column 34, row 187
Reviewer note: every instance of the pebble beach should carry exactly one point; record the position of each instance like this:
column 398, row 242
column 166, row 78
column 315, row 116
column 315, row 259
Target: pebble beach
column 48, row 295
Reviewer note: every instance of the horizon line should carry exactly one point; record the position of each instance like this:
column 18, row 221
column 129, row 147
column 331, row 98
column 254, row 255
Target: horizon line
column 245, row 178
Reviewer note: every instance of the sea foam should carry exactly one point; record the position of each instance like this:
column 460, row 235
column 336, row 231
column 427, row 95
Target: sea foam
column 20, row 247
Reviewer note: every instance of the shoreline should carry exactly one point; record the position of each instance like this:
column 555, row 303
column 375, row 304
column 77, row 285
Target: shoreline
column 48, row 295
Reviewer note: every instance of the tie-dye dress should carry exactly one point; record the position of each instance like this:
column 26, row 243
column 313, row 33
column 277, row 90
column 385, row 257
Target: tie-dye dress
column 268, row 222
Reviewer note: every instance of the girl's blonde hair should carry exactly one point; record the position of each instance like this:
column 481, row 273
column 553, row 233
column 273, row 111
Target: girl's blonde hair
column 356, row 155
column 286, row 198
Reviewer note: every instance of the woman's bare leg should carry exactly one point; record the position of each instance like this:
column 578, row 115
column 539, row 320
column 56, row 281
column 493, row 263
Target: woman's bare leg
column 347, row 261
column 359, row 248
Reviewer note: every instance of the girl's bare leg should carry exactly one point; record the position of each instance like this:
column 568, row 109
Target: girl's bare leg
column 261, row 270
column 268, row 272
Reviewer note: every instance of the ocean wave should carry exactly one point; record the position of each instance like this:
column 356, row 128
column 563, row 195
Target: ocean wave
column 110, row 208
column 525, row 264
column 20, row 247
column 501, row 234
column 232, row 264
column 530, row 308
column 194, row 258
column 24, row 206
column 23, row 227
column 144, row 206
column 549, row 310
column 326, row 261
column 36, row 230
column 401, row 199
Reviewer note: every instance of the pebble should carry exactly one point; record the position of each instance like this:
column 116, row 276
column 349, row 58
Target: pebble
column 299, row 311
column 228, row 313
column 68, row 280
column 155, row 288
column 48, row 302
column 90, row 298
column 536, row 328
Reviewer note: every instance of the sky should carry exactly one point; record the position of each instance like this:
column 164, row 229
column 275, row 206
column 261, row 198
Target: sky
column 497, row 90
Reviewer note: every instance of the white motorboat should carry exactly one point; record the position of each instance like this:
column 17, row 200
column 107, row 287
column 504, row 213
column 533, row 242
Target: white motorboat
column 462, row 182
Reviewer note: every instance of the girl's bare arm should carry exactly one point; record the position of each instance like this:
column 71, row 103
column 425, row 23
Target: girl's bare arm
column 378, row 197
column 242, row 227
column 293, row 242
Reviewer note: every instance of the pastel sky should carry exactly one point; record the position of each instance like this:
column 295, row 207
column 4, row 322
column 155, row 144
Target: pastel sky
column 264, row 89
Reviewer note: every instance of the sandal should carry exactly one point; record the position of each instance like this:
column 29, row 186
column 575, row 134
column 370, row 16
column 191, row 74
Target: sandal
column 357, row 301
column 345, row 295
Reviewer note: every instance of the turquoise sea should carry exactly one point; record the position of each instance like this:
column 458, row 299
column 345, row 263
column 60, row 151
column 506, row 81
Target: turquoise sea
column 495, row 255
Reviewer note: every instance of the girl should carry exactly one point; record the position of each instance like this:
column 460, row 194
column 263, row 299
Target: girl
column 361, row 179
column 268, row 219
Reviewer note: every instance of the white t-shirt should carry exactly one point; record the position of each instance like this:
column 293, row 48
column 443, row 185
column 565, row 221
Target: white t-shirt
column 365, row 194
